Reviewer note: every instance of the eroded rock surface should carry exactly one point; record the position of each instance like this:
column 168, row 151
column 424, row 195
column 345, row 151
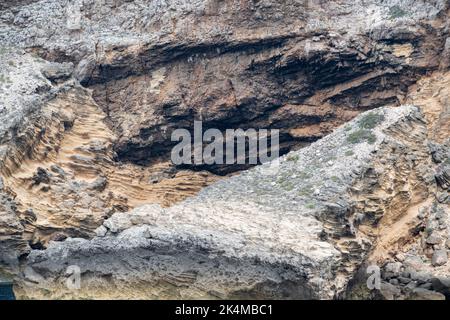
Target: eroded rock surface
column 304, row 67
column 300, row 229
column 60, row 177
column 90, row 92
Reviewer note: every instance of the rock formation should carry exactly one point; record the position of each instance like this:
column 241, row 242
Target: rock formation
column 91, row 90
column 297, row 229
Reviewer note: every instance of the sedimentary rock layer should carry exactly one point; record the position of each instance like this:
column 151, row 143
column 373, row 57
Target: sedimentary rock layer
column 90, row 92
column 59, row 172
column 299, row 228
column 304, row 67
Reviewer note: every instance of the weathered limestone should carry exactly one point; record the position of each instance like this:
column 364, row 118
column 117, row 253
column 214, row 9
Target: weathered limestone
column 304, row 67
column 90, row 93
column 276, row 231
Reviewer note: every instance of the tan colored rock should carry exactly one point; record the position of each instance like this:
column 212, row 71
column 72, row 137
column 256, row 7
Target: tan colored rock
column 235, row 237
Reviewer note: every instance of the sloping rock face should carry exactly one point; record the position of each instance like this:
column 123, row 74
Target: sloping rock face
column 297, row 228
column 71, row 157
column 59, row 174
column 90, row 92
column 304, row 67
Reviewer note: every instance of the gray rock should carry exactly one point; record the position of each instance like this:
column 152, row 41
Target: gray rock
column 413, row 262
column 441, row 285
column 441, row 214
column 58, row 170
column 57, row 71
column 443, row 197
column 434, row 238
column 31, row 275
column 427, row 286
column 99, row 184
column 439, row 258
column 389, row 291
column 394, row 282
column 404, row 280
column 443, row 177
column 447, row 45
column 84, row 70
column 439, row 152
column 393, row 267
column 420, row 277
column 410, row 286
column 424, row 294
column 422, row 213
column 101, row 231
column 388, row 275
column 407, row 272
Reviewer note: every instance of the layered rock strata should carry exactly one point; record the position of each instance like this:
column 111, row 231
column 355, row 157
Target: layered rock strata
column 304, row 67
column 299, row 228
column 59, row 174
column 90, row 92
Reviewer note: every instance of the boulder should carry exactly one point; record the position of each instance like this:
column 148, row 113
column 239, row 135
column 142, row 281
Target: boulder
column 434, row 238
column 393, row 267
column 441, row 285
column 57, row 71
column 389, row 291
column 424, row 294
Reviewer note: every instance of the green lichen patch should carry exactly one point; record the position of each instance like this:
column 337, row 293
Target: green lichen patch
column 361, row 135
column 396, row 12
column 335, row 179
column 293, row 158
column 370, row 120
column 306, row 191
column 311, row 206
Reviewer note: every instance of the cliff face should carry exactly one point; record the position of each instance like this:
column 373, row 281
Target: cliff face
column 299, row 229
column 59, row 173
column 92, row 90
column 301, row 66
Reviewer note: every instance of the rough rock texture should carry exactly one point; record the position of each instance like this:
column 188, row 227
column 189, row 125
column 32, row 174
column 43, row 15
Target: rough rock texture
column 297, row 229
column 60, row 178
column 302, row 66
column 90, row 92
